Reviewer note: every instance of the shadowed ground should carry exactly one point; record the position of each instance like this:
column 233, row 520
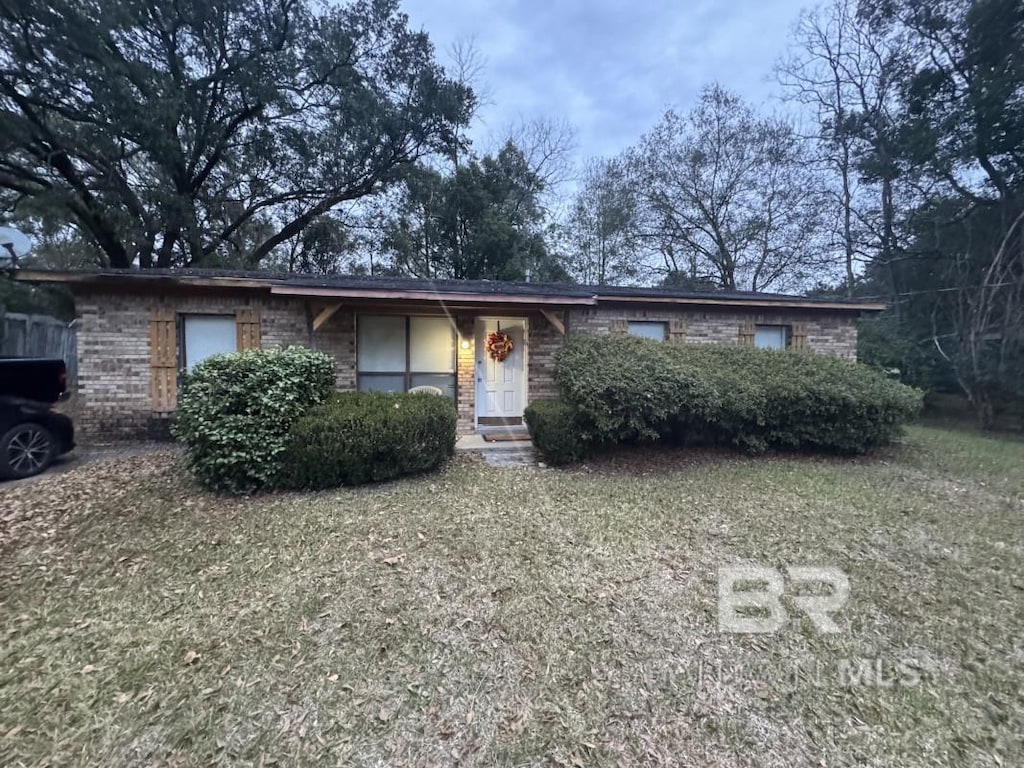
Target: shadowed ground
column 520, row 616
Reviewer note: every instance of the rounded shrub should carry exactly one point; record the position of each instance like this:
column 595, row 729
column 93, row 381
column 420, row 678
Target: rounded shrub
column 235, row 411
column 626, row 389
column 555, row 431
column 366, row 437
column 799, row 400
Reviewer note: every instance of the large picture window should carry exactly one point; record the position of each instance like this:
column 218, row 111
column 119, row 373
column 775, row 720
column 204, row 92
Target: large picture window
column 397, row 353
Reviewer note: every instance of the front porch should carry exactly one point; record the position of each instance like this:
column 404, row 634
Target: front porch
column 513, row 449
column 384, row 347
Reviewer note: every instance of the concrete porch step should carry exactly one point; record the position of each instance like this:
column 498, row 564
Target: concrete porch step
column 511, row 457
column 518, row 453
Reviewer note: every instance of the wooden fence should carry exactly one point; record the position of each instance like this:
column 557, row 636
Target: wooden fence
column 39, row 336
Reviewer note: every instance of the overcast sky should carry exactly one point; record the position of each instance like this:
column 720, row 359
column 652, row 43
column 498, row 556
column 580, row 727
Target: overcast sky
column 610, row 67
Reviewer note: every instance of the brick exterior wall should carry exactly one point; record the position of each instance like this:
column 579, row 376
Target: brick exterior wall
column 337, row 337
column 113, row 389
column 544, row 342
column 828, row 333
column 114, row 357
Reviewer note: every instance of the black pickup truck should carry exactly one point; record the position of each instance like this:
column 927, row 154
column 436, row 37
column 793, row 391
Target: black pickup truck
column 32, row 435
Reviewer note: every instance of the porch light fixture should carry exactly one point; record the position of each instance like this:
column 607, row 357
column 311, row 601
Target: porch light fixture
column 464, row 344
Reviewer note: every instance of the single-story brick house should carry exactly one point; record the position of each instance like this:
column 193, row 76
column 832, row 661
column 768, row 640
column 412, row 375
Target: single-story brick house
column 138, row 329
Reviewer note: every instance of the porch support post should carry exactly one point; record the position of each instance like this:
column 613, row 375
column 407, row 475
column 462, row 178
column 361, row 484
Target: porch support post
column 466, row 373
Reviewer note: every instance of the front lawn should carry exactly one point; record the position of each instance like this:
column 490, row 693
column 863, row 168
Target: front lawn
column 518, row 616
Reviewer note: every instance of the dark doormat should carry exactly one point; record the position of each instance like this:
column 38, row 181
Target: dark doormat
column 500, row 421
column 505, row 437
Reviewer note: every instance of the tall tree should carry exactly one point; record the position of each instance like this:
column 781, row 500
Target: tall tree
column 963, row 121
column 961, row 129
column 55, row 243
column 847, row 76
column 176, row 132
column 547, row 146
column 598, row 233
column 978, row 328
column 326, row 247
column 728, row 195
column 481, row 221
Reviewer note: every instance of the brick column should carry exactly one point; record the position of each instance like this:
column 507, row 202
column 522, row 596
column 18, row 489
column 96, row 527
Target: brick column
column 544, row 342
column 465, row 374
column 338, row 339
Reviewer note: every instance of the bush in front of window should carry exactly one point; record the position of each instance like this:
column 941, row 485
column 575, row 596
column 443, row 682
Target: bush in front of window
column 555, row 431
column 797, row 400
column 628, row 389
column 235, row 412
column 368, row 437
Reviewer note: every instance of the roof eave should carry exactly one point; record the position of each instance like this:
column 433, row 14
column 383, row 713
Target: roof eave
column 135, row 278
column 447, row 297
column 73, row 279
column 847, row 306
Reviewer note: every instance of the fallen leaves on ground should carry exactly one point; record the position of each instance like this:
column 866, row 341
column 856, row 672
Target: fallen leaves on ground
column 530, row 616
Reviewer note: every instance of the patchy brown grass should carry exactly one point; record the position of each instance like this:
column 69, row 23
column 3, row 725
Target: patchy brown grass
column 516, row 616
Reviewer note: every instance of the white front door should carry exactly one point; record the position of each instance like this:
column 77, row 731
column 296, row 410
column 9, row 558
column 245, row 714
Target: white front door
column 501, row 386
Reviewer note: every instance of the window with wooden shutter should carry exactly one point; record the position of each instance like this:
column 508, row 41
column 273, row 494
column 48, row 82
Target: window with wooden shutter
column 746, row 334
column 163, row 359
column 203, row 336
column 619, row 326
column 772, row 336
column 247, row 325
column 798, row 337
column 648, row 329
column 677, row 331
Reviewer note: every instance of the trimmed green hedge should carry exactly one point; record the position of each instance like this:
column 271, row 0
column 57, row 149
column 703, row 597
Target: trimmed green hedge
column 235, row 410
column 555, row 431
column 365, row 437
column 626, row 389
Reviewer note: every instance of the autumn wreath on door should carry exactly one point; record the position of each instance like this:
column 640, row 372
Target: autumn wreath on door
column 499, row 345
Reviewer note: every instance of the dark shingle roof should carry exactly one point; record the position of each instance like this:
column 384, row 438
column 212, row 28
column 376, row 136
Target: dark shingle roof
column 481, row 288
column 475, row 287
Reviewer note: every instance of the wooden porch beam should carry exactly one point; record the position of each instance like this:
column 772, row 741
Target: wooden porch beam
column 325, row 314
column 555, row 320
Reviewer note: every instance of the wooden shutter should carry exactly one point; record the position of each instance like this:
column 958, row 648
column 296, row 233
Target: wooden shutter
column 619, row 326
column 677, row 331
column 247, row 326
column 798, row 337
column 163, row 359
column 746, row 334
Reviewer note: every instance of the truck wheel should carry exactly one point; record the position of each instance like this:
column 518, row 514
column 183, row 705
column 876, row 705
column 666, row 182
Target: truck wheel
column 25, row 450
